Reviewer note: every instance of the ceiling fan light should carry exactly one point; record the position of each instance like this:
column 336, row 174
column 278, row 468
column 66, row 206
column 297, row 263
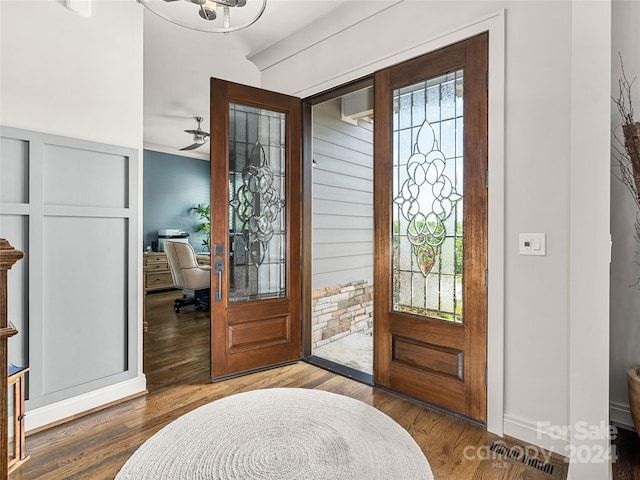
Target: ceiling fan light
column 183, row 13
column 207, row 14
column 208, row 10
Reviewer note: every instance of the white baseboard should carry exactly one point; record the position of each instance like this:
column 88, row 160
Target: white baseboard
column 620, row 413
column 55, row 412
column 534, row 434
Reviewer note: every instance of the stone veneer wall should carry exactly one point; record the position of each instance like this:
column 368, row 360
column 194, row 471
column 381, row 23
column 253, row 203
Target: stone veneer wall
column 341, row 310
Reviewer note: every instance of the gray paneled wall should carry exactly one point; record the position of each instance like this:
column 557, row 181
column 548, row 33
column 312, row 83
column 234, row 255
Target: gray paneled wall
column 172, row 185
column 14, row 226
column 342, row 198
column 72, row 207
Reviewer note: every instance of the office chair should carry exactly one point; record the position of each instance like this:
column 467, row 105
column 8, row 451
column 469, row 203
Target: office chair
column 188, row 275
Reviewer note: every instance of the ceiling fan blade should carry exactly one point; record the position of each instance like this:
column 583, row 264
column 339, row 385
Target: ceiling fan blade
column 192, row 146
column 195, row 145
column 197, row 132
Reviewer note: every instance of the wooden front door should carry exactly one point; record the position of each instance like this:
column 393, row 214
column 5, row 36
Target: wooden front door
column 430, row 194
column 255, row 228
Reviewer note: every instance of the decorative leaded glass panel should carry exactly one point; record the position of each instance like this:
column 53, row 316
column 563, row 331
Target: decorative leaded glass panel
column 257, row 213
column 428, row 197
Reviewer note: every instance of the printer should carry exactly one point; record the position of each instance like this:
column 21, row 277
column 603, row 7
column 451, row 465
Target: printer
column 173, row 235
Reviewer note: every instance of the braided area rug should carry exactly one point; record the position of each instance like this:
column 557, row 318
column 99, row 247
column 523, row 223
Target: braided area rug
column 283, row 434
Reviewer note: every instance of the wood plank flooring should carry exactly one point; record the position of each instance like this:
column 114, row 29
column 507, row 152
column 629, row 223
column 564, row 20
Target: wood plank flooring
column 627, row 449
column 176, row 362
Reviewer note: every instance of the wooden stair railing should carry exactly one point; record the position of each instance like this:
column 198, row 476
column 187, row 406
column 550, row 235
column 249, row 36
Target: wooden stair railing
column 8, row 257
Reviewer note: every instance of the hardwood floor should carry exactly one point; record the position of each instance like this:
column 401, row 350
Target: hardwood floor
column 627, row 449
column 176, row 362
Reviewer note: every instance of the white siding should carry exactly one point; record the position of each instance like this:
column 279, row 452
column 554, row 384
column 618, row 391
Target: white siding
column 342, row 198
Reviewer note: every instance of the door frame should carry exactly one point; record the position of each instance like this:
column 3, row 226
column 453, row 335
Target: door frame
column 495, row 24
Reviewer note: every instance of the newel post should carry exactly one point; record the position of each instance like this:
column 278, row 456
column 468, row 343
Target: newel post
column 8, row 257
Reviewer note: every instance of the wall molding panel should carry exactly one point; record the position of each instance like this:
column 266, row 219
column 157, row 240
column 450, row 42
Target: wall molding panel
column 73, row 206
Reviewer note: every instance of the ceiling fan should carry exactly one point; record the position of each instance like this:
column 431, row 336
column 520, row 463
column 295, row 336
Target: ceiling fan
column 200, row 137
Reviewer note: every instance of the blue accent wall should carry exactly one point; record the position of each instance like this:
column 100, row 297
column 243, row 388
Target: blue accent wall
column 172, row 185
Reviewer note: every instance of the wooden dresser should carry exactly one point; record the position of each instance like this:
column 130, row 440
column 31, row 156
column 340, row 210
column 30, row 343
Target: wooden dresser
column 157, row 275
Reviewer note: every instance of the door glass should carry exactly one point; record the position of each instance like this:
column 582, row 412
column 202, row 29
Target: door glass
column 428, row 198
column 257, row 215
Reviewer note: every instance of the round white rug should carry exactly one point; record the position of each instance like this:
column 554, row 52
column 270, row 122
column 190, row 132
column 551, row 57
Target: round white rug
column 280, row 433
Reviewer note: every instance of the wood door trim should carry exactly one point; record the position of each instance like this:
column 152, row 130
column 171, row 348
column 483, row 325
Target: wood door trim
column 219, row 230
column 382, row 155
column 476, row 189
column 307, row 230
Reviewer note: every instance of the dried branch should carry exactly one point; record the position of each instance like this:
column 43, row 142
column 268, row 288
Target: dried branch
column 624, row 102
column 627, row 150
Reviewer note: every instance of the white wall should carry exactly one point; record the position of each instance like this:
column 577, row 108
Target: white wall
column 78, row 77
column 589, row 204
column 68, row 75
column 545, row 48
column 537, row 152
column 625, row 255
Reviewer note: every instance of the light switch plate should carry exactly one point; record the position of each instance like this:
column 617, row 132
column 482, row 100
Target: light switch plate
column 532, row 244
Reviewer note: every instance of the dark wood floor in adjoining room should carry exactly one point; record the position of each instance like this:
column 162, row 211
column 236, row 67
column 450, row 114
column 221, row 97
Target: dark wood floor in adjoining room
column 176, row 362
column 626, row 450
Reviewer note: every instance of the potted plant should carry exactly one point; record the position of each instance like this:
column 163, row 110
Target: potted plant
column 204, row 214
column 627, row 151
